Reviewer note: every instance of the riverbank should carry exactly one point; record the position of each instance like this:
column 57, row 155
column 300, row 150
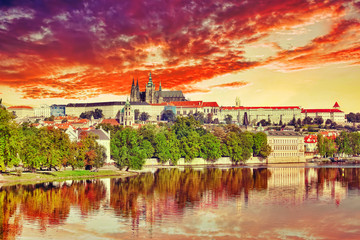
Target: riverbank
column 13, row 178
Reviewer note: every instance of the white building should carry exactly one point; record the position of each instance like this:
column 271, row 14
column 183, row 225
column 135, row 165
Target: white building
column 334, row 114
column 253, row 115
column 21, row 111
column 126, row 115
column 42, row 111
column 286, row 147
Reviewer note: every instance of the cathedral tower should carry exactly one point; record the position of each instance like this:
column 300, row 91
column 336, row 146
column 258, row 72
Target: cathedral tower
column 150, row 91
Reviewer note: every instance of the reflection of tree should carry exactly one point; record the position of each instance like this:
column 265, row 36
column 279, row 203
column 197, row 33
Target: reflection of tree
column 9, row 199
column 347, row 176
column 47, row 204
column 170, row 191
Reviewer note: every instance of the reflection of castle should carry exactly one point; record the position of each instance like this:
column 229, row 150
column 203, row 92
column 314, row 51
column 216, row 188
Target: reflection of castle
column 152, row 96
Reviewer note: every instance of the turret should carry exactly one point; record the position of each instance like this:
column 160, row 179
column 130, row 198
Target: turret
column 336, row 106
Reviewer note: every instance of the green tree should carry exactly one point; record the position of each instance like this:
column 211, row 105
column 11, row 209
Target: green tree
column 343, row 143
column 234, row 148
column 209, row 118
column 126, row 149
column 247, row 143
column 97, row 114
column 190, row 146
column 228, row 119
column 137, row 114
column 326, row 147
column 183, row 126
column 261, row 148
column 167, row 147
column 354, row 139
column 318, row 120
column 200, row 117
column 162, row 150
column 210, row 147
column 307, row 120
column 10, row 136
column 31, row 153
column 168, row 115
column 148, row 132
column 144, row 116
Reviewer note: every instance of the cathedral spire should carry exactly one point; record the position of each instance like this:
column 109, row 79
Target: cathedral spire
column 150, row 83
column 160, row 87
column 133, row 84
column 137, row 83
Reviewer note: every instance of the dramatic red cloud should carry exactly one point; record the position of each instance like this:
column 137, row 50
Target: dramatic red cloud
column 339, row 45
column 232, row 84
column 79, row 49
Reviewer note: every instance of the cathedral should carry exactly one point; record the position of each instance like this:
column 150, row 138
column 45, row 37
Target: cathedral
column 152, row 96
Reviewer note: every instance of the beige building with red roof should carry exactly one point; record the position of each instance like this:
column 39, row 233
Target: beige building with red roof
column 253, row 115
column 334, row 114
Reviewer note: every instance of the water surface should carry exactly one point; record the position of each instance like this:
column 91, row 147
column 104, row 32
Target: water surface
column 190, row 203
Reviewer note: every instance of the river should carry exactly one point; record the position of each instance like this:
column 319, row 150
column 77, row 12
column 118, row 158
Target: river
column 279, row 202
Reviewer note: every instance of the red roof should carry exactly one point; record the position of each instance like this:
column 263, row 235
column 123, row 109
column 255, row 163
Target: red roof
column 66, row 117
column 187, row 103
column 20, row 107
column 111, row 122
column 63, row 125
column 336, row 105
column 250, row 108
column 80, row 121
column 320, row 110
column 159, row 104
column 210, row 104
column 310, row 139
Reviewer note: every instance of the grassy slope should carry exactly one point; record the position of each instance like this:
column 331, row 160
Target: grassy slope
column 12, row 178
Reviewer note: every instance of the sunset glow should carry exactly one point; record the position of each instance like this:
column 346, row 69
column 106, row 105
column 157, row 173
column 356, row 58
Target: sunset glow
column 293, row 52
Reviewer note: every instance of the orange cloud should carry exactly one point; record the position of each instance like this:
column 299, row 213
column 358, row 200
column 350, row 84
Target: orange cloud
column 108, row 41
column 232, row 84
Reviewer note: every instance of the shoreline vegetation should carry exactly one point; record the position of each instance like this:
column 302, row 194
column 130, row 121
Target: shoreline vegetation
column 14, row 178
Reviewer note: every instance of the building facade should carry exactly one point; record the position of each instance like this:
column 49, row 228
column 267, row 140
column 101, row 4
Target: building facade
column 253, row 115
column 127, row 116
column 151, row 95
column 21, row 111
column 286, row 147
column 42, row 111
column 334, row 114
column 57, row 110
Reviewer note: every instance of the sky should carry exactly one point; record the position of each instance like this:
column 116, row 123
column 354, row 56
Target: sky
column 266, row 52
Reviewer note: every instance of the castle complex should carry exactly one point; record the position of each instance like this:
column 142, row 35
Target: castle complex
column 152, row 96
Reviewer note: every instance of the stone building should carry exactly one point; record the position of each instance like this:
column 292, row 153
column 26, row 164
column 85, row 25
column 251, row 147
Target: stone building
column 151, row 95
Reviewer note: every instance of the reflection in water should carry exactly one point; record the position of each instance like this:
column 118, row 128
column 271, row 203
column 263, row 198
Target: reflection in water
column 193, row 200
